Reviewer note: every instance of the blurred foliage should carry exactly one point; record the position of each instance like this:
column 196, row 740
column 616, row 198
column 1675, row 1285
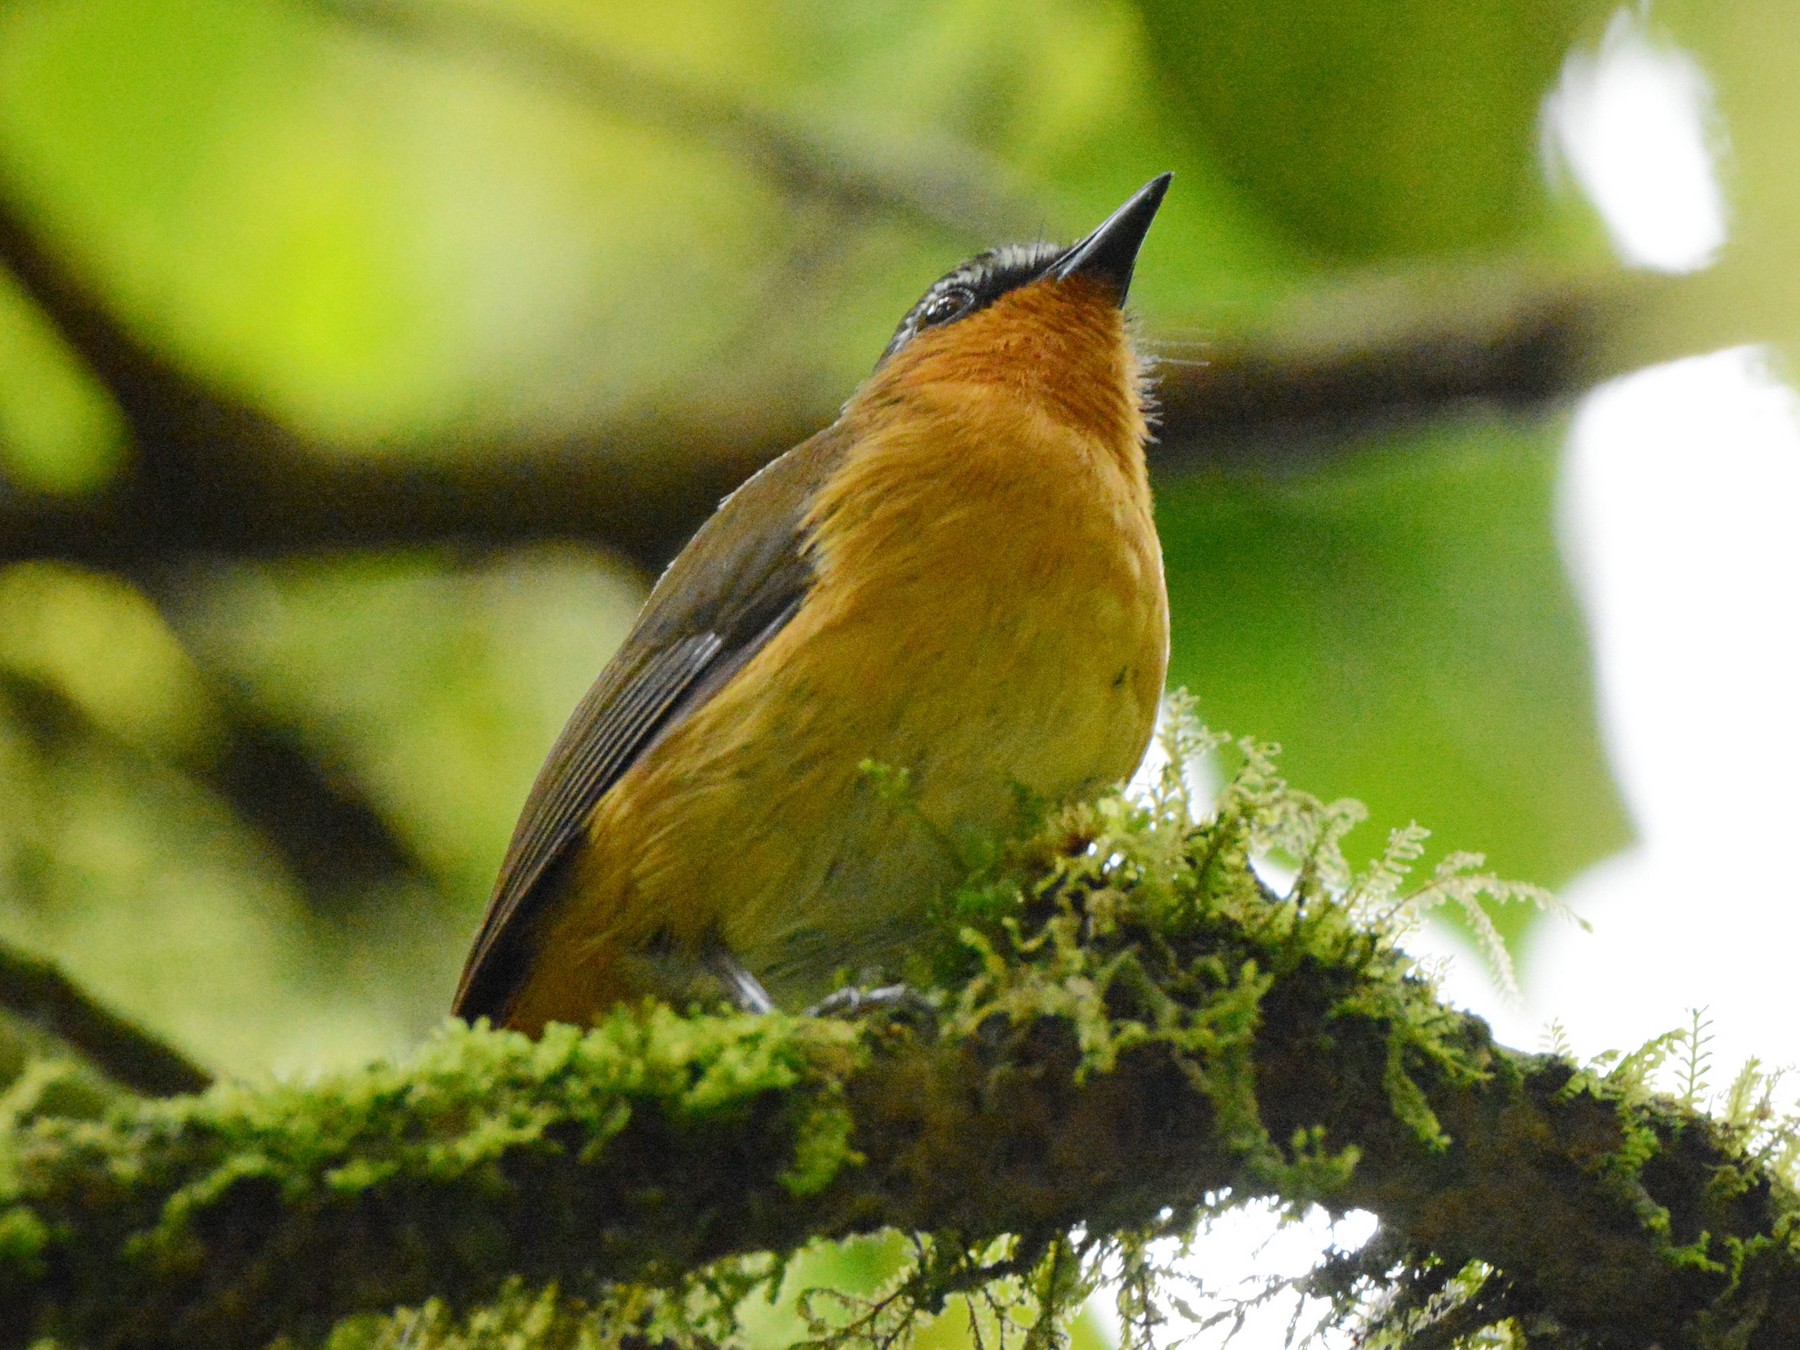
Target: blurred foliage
column 418, row 230
column 58, row 431
column 434, row 687
column 1753, row 293
column 446, row 728
column 334, row 222
column 1369, row 128
column 1403, row 606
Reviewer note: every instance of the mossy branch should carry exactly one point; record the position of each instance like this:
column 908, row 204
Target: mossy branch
column 1135, row 1026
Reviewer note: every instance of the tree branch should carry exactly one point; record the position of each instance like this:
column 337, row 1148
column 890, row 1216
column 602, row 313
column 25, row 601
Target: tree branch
column 1290, row 400
column 954, row 192
column 1138, row 1027
column 214, row 477
column 40, row 994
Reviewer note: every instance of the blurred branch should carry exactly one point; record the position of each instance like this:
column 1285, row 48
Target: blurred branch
column 1290, row 401
column 952, row 191
column 215, row 477
column 211, row 476
column 320, row 825
column 317, row 824
column 40, row 994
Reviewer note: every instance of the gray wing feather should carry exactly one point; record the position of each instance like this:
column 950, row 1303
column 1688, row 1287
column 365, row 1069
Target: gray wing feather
column 593, row 749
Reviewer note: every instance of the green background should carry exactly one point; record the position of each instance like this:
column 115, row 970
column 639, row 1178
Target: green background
column 451, row 235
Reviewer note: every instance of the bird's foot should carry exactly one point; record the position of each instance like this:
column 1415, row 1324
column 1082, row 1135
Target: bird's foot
column 898, row 1000
column 743, row 988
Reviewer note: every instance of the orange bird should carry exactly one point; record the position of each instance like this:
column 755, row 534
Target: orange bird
column 958, row 579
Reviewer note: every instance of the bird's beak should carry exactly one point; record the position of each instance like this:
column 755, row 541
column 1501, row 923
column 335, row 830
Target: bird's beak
column 1109, row 253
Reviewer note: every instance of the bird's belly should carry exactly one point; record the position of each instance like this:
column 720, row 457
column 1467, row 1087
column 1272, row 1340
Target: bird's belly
column 1048, row 684
column 892, row 845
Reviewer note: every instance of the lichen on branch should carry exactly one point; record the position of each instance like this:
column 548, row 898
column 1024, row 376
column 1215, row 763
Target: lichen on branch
column 1127, row 1029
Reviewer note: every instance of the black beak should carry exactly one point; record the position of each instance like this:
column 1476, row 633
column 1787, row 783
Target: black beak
column 1109, row 253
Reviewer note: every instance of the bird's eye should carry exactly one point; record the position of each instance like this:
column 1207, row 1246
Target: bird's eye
column 945, row 306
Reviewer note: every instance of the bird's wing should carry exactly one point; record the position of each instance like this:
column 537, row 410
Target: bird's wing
column 739, row 580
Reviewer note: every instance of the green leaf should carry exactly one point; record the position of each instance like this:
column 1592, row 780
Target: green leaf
column 1401, row 624
column 1369, row 127
column 1750, row 53
column 59, row 432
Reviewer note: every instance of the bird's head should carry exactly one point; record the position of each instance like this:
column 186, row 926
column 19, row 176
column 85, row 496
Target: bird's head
column 1042, row 323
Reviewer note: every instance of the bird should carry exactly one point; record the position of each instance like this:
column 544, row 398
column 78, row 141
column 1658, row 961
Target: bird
column 957, row 586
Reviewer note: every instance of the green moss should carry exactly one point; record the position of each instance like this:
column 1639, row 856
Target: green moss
column 821, row 1151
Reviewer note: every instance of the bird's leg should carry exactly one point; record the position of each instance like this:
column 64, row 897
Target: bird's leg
column 743, row 988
